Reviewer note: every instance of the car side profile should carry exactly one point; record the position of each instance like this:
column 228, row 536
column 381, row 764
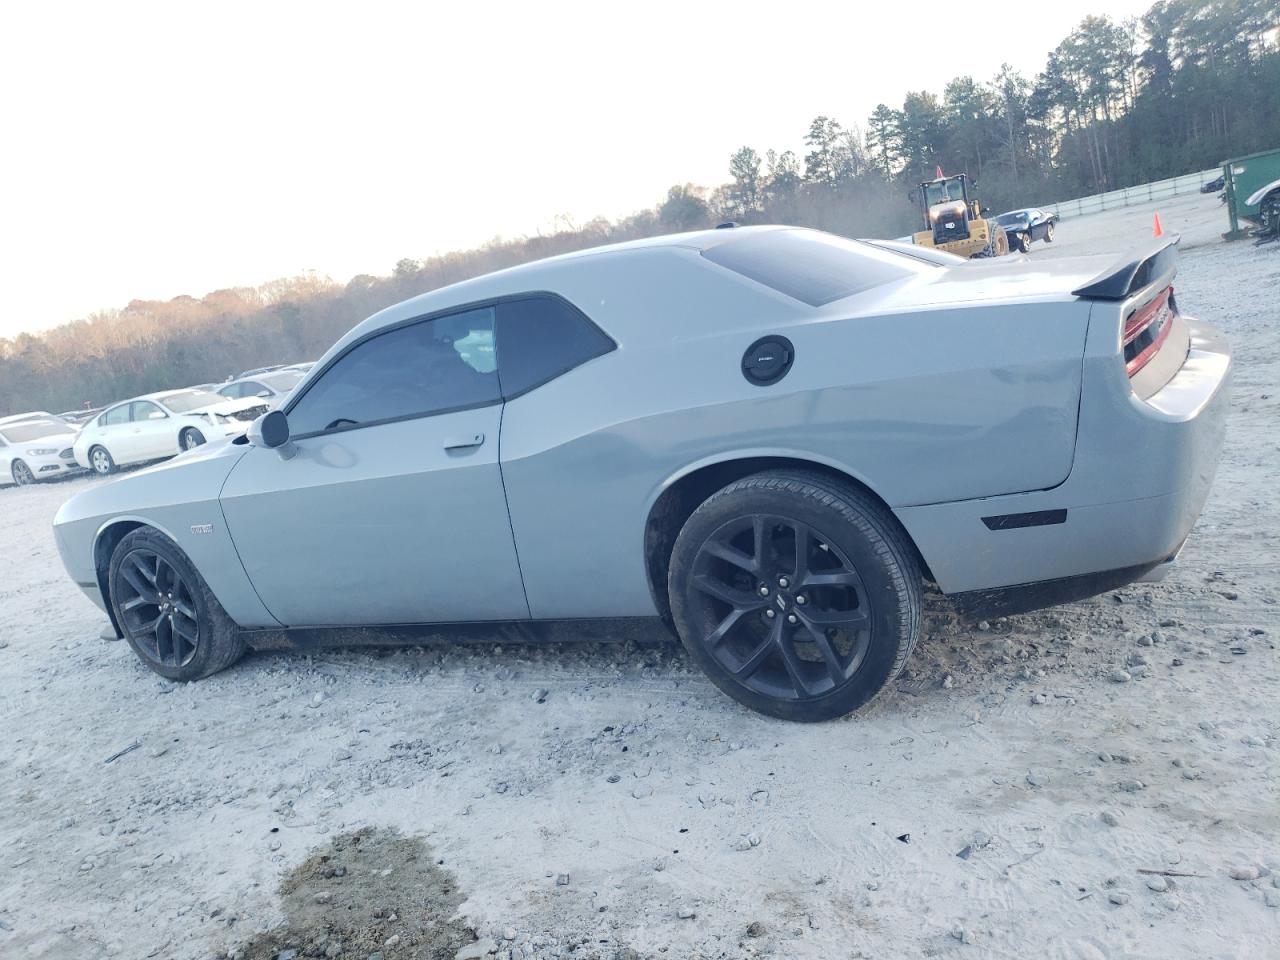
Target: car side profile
column 1025, row 226
column 768, row 437
column 271, row 387
column 35, row 449
column 160, row 425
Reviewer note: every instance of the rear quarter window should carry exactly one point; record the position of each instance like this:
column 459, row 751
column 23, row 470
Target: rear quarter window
column 813, row 267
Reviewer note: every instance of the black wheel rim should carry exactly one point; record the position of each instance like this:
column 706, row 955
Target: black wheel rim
column 189, row 440
column 22, row 474
column 780, row 607
column 157, row 608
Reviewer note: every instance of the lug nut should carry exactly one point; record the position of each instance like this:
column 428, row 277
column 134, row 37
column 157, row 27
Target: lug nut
column 784, row 582
column 764, row 591
column 791, row 618
column 769, row 613
column 801, row 599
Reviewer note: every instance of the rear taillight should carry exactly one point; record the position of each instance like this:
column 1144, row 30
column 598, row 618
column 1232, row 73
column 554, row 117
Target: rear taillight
column 1147, row 329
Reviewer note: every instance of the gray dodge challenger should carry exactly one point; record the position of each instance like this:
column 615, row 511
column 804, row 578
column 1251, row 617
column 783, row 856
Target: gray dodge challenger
column 768, row 437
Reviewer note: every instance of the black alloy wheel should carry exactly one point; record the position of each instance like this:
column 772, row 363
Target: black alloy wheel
column 158, row 609
column 166, row 611
column 798, row 594
column 191, row 438
column 783, row 612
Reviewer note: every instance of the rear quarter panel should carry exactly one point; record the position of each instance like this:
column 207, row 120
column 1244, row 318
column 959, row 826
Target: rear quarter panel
column 950, row 402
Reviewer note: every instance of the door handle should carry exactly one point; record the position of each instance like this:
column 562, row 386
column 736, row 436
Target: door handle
column 462, row 443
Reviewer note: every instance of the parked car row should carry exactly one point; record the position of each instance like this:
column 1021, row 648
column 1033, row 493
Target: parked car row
column 40, row 445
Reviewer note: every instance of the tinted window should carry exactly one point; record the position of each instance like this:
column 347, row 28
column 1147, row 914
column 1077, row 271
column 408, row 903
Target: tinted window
column 145, row 410
column 115, row 416
column 427, row 367
column 812, row 267
column 541, row 338
column 251, row 388
column 231, row 391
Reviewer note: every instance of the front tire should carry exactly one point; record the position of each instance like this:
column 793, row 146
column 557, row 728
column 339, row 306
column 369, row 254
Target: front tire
column 101, row 462
column 798, row 594
column 190, row 438
column 1048, row 233
column 167, row 612
column 1024, row 242
column 22, row 474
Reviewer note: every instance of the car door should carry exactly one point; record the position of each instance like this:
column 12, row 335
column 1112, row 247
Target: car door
column 151, row 433
column 392, row 510
column 113, row 431
column 6, row 462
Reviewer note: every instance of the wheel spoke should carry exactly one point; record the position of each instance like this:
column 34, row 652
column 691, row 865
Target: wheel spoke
column 138, row 601
column 835, row 669
column 722, row 630
column 729, row 554
column 760, row 654
column 714, row 587
column 804, row 543
column 844, row 619
column 135, row 575
column 793, row 664
column 189, row 634
column 184, row 608
column 831, row 578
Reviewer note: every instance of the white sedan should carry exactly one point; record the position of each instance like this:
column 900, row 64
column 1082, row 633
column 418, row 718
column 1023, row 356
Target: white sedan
column 161, row 425
column 35, row 449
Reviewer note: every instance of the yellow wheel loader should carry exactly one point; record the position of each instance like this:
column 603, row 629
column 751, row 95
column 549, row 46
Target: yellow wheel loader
column 954, row 222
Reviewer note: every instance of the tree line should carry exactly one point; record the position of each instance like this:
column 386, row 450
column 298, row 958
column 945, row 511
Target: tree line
column 1178, row 89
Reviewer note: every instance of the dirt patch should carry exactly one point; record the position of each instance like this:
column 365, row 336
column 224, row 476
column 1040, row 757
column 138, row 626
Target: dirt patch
column 365, row 893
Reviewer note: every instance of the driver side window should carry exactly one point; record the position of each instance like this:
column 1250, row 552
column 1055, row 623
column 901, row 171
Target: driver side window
column 423, row 368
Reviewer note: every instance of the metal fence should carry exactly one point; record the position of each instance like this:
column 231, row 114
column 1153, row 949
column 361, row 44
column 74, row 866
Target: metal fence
column 1143, row 192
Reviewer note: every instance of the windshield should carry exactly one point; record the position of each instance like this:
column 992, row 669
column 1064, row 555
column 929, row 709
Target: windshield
column 34, row 430
column 189, row 400
column 1007, row 218
column 282, row 382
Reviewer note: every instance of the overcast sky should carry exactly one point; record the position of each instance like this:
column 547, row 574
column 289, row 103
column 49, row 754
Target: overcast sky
column 156, row 150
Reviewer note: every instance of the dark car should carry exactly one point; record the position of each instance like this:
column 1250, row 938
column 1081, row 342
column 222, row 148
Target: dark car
column 1024, row 226
column 1213, row 186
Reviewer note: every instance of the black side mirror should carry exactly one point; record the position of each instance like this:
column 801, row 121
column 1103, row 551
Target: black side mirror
column 271, row 430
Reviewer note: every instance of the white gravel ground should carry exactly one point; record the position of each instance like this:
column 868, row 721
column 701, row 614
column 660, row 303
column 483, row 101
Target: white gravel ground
column 970, row 814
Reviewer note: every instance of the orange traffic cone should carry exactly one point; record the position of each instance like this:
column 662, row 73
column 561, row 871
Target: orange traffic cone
column 1158, row 230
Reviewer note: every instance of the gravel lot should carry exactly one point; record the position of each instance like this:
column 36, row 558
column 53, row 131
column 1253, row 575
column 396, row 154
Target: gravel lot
column 1094, row 781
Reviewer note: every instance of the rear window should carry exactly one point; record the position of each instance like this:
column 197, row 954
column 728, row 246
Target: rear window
column 813, row 267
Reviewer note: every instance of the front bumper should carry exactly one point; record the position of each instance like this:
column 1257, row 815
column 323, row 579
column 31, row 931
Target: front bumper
column 1141, row 475
column 49, row 467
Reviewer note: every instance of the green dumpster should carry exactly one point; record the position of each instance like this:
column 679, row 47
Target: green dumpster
column 1241, row 178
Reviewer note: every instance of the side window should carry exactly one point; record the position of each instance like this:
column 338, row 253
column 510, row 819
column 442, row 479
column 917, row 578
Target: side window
column 427, row 367
column 251, row 388
column 115, row 416
column 540, row 338
column 143, row 410
column 231, row 391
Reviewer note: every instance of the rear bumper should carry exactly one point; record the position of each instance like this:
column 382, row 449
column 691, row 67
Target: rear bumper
column 1141, row 475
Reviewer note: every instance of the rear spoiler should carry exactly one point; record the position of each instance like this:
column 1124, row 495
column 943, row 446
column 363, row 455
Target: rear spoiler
column 1133, row 271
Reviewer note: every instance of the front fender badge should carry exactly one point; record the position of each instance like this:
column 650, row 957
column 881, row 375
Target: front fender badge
column 199, row 528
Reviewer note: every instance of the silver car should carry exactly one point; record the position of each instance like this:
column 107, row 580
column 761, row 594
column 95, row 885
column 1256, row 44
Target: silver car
column 768, row 437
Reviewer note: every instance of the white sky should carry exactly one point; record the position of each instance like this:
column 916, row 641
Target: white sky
column 151, row 150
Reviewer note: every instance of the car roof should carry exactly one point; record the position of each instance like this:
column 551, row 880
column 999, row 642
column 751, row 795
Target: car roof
column 539, row 274
column 33, row 415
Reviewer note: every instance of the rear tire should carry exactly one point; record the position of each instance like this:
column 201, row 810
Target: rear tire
column 22, row 475
column 100, row 461
column 167, row 612
column 798, row 594
column 1048, row 233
